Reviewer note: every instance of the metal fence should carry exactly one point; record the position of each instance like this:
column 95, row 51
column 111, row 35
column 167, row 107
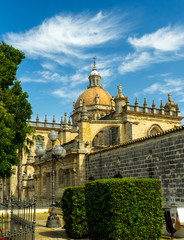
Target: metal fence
column 47, row 204
column 18, row 219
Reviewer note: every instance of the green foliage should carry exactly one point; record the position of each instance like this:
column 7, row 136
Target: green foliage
column 15, row 109
column 8, row 152
column 10, row 58
column 126, row 209
column 74, row 212
column 16, row 104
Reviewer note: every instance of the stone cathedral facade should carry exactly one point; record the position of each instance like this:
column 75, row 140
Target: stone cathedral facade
column 98, row 124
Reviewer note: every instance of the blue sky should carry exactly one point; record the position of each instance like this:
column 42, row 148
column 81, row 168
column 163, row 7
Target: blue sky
column 138, row 44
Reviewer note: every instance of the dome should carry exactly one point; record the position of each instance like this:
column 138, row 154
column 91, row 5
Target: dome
column 94, row 72
column 91, row 93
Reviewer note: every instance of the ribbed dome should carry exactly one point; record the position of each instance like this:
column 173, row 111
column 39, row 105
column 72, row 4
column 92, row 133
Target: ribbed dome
column 90, row 94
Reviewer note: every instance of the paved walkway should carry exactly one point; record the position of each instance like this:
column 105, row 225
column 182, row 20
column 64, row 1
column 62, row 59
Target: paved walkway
column 44, row 233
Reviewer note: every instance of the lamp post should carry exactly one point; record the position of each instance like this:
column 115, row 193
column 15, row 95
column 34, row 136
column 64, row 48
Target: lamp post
column 57, row 152
column 40, row 152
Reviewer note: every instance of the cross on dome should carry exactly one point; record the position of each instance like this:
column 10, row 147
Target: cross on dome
column 94, row 67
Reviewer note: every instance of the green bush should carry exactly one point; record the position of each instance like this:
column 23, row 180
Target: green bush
column 74, row 213
column 124, row 209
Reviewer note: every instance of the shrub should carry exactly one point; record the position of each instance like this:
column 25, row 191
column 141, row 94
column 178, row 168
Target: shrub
column 74, row 213
column 124, row 209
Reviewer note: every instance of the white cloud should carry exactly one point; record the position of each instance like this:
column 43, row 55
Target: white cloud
column 69, row 40
column 160, row 46
column 169, row 85
column 181, row 99
column 68, row 34
column 25, row 79
column 164, row 39
column 133, row 62
column 66, row 94
column 48, row 66
column 52, row 76
column 78, row 78
column 162, row 75
column 43, row 77
column 106, row 73
column 175, row 86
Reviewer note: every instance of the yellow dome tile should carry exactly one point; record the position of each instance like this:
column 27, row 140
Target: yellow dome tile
column 90, row 94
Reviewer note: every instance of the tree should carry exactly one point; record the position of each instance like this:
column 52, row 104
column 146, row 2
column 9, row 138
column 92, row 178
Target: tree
column 8, row 152
column 15, row 110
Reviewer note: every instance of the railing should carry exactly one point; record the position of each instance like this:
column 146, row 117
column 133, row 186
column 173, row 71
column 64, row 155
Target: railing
column 159, row 111
column 45, row 124
column 18, row 219
column 51, row 125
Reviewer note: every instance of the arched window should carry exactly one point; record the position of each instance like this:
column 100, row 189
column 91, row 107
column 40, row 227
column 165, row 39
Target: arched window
column 154, row 129
column 106, row 137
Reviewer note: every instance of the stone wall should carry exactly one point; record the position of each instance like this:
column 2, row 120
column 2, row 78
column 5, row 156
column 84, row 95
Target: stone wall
column 65, row 175
column 160, row 156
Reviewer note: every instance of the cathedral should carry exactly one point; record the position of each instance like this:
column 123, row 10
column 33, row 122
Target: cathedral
column 98, row 122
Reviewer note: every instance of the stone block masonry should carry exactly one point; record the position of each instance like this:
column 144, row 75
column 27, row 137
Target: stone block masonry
column 160, row 156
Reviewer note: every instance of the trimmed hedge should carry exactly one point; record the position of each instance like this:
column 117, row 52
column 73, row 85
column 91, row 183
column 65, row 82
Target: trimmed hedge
column 128, row 209
column 74, row 212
